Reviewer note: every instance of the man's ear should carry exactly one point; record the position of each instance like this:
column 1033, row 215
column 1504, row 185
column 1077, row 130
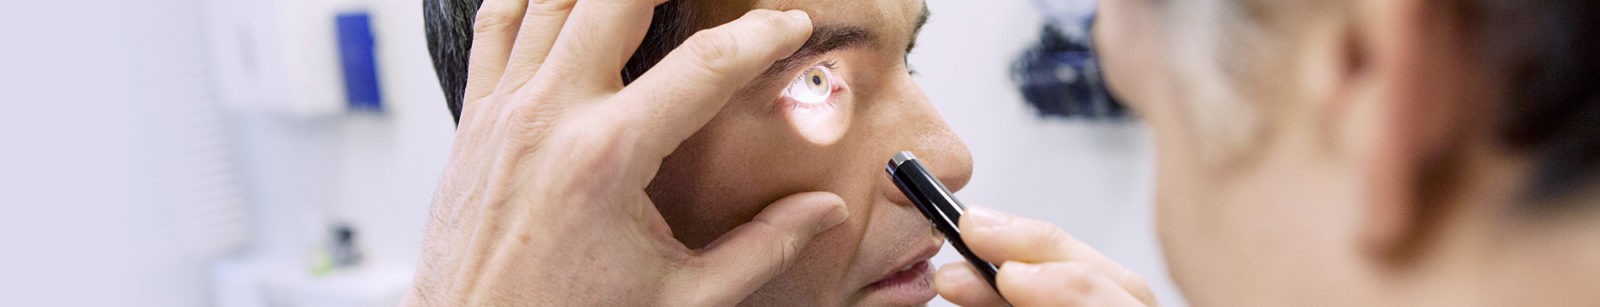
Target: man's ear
column 1409, row 88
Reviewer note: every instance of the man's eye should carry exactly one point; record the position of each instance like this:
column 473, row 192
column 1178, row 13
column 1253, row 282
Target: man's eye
column 815, row 85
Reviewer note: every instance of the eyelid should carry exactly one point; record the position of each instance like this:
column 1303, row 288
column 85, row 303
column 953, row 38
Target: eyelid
column 830, row 64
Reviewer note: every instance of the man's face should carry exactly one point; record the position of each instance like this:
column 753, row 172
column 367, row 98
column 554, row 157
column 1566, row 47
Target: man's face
column 827, row 119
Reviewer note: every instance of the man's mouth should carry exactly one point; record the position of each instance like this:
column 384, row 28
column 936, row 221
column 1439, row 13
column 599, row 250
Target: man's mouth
column 907, row 274
column 911, row 283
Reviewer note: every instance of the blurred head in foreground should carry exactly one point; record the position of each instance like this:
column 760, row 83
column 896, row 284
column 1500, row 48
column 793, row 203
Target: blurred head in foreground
column 1369, row 152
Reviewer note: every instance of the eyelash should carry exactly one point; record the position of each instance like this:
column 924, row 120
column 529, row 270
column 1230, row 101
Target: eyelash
column 830, row 64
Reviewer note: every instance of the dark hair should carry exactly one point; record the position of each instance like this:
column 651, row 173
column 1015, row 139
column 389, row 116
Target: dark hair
column 1549, row 53
column 448, row 24
column 449, row 33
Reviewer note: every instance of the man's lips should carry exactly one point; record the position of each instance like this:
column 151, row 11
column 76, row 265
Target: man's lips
column 909, row 265
column 908, row 274
column 911, row 283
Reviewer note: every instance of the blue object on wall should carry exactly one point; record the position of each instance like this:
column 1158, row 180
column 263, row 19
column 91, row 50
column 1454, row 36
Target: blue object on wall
column 1060, row 75
column 356, row 56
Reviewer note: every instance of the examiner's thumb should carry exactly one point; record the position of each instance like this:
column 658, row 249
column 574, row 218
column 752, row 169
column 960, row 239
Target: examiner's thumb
column 748, row 257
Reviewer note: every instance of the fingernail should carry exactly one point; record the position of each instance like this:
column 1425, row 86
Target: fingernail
column 837, row 216
column 984, row 218
column 949, row 272
column 944, row 280
column 798, row 15
column 1020, row 267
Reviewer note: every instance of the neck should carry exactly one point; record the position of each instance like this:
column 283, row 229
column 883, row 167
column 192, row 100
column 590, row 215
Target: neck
column 1494, row 249
column 1547, row 259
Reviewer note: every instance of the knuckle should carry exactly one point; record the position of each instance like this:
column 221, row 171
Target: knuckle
column 713, row 49
column 765, row 16
column 1062, row 242
column 785, row 242
column 1133, row 281
column 586, row 136
column 1135, row 285
column 493, row 20
column 584, row 152
column 791, row 250
column 1086, row 285
column 1053, row 235
column 770, row 21
column 529, row 122
column 550, row 7
column 1075, row 273
column 523, row 113
column 1055, row 284
column 1076, row 288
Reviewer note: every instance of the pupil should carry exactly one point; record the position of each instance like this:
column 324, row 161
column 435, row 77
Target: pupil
column 816, row 79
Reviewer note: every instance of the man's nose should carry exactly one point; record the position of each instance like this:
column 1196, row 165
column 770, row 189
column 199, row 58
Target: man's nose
column 948, row 158
column 939, row 148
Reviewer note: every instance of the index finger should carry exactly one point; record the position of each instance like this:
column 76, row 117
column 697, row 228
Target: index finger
column 999, row 237
column 678, row 96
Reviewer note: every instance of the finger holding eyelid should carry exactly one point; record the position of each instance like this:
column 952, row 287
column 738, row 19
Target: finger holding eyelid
column 813, row 105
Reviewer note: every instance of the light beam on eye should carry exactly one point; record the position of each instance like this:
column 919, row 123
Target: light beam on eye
column 814, row 86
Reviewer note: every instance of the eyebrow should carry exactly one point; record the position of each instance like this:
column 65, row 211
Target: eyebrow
column 824, row 38
column 922, row 20
column 831, row 37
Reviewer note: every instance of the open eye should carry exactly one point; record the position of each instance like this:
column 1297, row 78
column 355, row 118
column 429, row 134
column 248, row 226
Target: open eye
column 813, row 86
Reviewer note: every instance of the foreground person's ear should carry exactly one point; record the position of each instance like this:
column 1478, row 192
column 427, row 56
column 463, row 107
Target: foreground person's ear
column 1411, row 112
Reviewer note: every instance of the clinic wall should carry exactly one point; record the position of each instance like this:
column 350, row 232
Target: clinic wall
column 117, row 178
column 306, row 171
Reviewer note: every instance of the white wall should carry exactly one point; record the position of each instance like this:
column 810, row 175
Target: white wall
column 116, row 178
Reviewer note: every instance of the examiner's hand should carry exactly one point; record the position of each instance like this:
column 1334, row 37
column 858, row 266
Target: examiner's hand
column 543, row 201
column 1040, row 265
